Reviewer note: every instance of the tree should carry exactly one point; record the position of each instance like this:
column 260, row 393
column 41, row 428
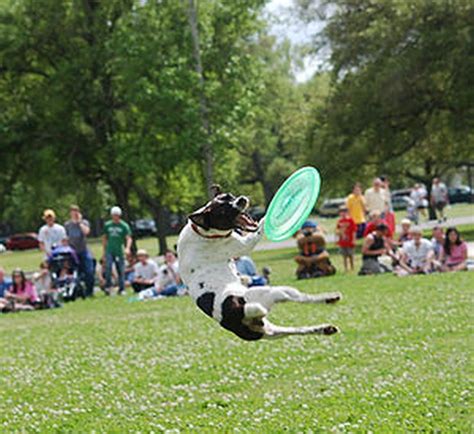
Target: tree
column 402, row 88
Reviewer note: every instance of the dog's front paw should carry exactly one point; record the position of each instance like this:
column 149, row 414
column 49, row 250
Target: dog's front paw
column 333, row 297
column 329, row 330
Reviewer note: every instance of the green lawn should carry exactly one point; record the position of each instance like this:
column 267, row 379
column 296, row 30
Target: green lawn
column 402, row 363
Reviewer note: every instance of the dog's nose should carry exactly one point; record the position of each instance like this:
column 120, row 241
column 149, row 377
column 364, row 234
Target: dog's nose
column 241, row 203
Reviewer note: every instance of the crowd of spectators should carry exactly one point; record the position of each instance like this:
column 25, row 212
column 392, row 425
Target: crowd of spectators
column 69, row 270
column 370, row 216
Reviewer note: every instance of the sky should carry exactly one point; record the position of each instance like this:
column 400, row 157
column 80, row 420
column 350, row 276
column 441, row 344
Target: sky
column 287, row 26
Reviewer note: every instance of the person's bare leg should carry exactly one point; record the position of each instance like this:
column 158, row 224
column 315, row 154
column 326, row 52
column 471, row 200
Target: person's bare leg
column 273, row 331
column 345, row 263
column 351, row 262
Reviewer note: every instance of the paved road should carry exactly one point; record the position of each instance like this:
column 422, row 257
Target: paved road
column 269, row 245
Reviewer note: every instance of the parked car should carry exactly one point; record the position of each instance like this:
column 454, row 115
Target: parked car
column 400, row 202
column 401, row 193
column 23, row 241
column 143, row 228
column 176, row 223
column 461, row 194
column 330, row 207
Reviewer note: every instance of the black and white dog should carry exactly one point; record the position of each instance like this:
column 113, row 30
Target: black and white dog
column 216, row 233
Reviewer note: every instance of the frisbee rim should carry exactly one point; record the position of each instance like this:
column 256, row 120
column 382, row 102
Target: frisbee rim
column 269, row 229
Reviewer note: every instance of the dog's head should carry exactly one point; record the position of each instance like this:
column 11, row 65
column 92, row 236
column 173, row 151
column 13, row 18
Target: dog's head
column 225, row 212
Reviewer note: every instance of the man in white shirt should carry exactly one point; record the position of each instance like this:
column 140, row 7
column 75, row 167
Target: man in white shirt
column 146, row 271
column 439, row 198
column 418, row 254
column 51, row 234
column 376, row 198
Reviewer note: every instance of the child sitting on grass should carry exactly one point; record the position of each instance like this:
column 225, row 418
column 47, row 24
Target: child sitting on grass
column 346, row 230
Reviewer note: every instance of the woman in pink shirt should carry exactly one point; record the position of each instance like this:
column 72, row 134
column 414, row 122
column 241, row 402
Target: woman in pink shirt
column 23, row 293
column 454, row 254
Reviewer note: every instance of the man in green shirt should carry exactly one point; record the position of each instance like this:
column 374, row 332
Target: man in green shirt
column 117, row 234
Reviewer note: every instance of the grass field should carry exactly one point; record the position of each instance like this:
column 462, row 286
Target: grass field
column 402, row 363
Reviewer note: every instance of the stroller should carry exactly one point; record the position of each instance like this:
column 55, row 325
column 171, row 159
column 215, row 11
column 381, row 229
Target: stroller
column 64, row 270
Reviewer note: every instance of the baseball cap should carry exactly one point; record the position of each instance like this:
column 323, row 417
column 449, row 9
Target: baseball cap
column 115, row 210
column 406, row 222
column 142, row 252
column 309, row 224
column 49, row 213
column 74, row 207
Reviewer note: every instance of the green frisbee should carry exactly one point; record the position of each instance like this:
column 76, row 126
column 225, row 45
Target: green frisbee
column 292, row 204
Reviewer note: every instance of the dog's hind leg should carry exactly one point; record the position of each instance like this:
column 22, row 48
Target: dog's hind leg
column 269, row 295
column 272, row 331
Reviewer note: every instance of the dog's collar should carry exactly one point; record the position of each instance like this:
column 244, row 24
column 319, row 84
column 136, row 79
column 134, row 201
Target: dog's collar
column 196, row 229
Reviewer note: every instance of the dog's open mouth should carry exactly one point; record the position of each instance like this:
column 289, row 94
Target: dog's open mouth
column 246, row 223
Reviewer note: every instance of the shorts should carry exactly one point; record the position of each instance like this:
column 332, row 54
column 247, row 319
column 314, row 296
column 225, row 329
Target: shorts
column 346, row 251
column 440, row 205
column 360, row 230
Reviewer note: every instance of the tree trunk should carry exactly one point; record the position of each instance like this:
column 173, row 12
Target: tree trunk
column 207, row 146
column 122, row 196
column 159, row 215
column 260, row 176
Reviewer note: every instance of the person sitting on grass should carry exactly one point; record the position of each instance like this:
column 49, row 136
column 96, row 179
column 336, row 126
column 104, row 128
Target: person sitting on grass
column 145, row 272
column 47, row 295
column 5, row 285
column 375, row 220
column 248, row 274
column 313, row 258
column 405, row 234
column 22, row 295
column 346, row 230
column 375, row 245
column 169, row 282
column 130, row 262
column 454, row 253
column 417, row 255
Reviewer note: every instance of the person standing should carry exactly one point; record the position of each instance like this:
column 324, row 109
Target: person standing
column 51, row 234
column 439, row 198
column 117, row 234
column 345, row 231
column 418, row 196
column 77, row 229
column 355, row 204
column 376, row 199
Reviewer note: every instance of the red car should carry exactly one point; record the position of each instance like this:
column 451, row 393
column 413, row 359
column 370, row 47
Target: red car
column 23, row 241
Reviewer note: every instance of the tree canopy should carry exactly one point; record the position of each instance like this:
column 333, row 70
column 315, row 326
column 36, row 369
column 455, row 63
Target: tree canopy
column 145, row 104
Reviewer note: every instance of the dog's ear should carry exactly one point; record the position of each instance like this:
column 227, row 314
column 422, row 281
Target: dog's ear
column 216, row 189
column 200, row 218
